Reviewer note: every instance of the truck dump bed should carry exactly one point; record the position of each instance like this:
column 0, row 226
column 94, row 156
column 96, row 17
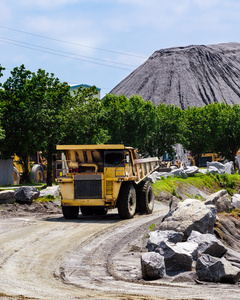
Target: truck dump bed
column 87, row 156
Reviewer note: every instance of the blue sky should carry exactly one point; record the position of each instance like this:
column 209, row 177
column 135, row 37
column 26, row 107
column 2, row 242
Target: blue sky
column 100, row 42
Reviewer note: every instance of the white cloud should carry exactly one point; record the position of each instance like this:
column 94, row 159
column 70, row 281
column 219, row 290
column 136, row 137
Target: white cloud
column 135, row 2
column 206, row 3
column 77, row 34
column 5, row 12
column 47, row 4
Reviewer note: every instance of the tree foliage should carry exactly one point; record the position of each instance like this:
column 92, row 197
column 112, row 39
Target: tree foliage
column 85, row 119
column 33, row 116
column 168, row 129
column 37, row 112
column 138, row 123
column 51, row 101
column 197, row 132
column 225, row 128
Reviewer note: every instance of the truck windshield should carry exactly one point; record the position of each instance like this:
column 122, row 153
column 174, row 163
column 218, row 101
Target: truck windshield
column 113, row 158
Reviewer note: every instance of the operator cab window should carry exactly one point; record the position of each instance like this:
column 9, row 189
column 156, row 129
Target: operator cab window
column 114, row 159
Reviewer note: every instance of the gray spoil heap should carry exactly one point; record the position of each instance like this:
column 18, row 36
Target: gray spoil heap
column 187, row 76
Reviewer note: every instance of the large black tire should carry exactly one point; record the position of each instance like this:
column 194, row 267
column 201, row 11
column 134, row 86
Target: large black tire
column 145, row 197
column 37, row 173
column 16, row 176
column 93, row 210
column 70, row 212
column 127, row 201
column 87, row 210
column 100, row 210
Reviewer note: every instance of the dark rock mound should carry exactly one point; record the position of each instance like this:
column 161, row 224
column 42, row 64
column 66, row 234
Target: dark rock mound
column 187, row 76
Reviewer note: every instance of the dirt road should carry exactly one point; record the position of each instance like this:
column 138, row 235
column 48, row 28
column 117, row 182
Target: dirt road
column 48, row 257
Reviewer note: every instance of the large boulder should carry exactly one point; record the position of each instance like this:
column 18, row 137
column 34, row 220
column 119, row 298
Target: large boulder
column 217, row 167
column 153, row 266
column 214, row 269
column 233, row 257
column 175, row 257
column 229, row 167
column 221, row 200
column 26, row 194
column 164, row 174
column 7, row 197
column 235, row 201
column 191, row 171
column 158, row 236
column 153, row 177
column 53, row 191
column 207, row 244
column 189, row 247
column 179, row 172
column 191, row 215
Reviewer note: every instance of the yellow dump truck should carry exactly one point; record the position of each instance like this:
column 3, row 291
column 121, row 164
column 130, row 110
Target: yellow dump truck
column 96, row 178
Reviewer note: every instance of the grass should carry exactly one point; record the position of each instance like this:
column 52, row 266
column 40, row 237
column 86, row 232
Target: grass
column 212, row 183
column 47, row 198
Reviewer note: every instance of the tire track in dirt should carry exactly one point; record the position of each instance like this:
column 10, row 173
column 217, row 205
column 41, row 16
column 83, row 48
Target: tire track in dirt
column 58, row 259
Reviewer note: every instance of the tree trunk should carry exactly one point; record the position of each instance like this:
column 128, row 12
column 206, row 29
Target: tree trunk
column 49, row 167
column 26, row 173
column 197, row 159
column 232, row 158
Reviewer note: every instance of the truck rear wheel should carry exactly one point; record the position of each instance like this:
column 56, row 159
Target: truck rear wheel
column 87, row 210
column 145, row 197
column 100, row 211
column 70, row 212
column 93, row 210
column 127, row 201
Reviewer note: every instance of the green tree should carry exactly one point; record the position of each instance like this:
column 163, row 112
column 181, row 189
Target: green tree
column 168, row 129
column 85, row 123
column 139, row 117
column 17, row 117
column 225, row 124
column 33, row 115
column 130, row 121
column 197, row 132
column 51, row 102
column 2, row 132
column 114, row 116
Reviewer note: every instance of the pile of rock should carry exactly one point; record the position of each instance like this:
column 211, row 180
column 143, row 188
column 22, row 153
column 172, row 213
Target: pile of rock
column 26, row 194
column 217, row 167
column 184, row 172
column 201, row 253
column 185, row 243
column 212, row 167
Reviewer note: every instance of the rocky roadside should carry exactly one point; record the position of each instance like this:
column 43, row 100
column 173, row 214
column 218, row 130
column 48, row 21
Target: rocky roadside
column 204, row 230
column 27, row 201
column 196, row 238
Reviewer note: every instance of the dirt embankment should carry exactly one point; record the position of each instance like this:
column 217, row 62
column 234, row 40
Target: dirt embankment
column 43, row 256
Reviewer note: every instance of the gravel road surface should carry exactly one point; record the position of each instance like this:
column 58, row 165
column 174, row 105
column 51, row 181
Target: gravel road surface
column 48, row 257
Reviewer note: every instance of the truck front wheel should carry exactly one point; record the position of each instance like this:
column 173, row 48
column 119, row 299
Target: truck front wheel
column 37, row 173
column 127, row 201
column 70, row 212
column 145, row 197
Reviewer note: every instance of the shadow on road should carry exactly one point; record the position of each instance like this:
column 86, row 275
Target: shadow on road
column 109, row 218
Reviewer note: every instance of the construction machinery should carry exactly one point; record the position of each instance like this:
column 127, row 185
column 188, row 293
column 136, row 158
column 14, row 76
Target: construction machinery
column 206, row 157
column 37, row 165
column 96, row 178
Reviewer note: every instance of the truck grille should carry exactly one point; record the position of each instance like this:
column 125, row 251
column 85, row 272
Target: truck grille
column 88, row 187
